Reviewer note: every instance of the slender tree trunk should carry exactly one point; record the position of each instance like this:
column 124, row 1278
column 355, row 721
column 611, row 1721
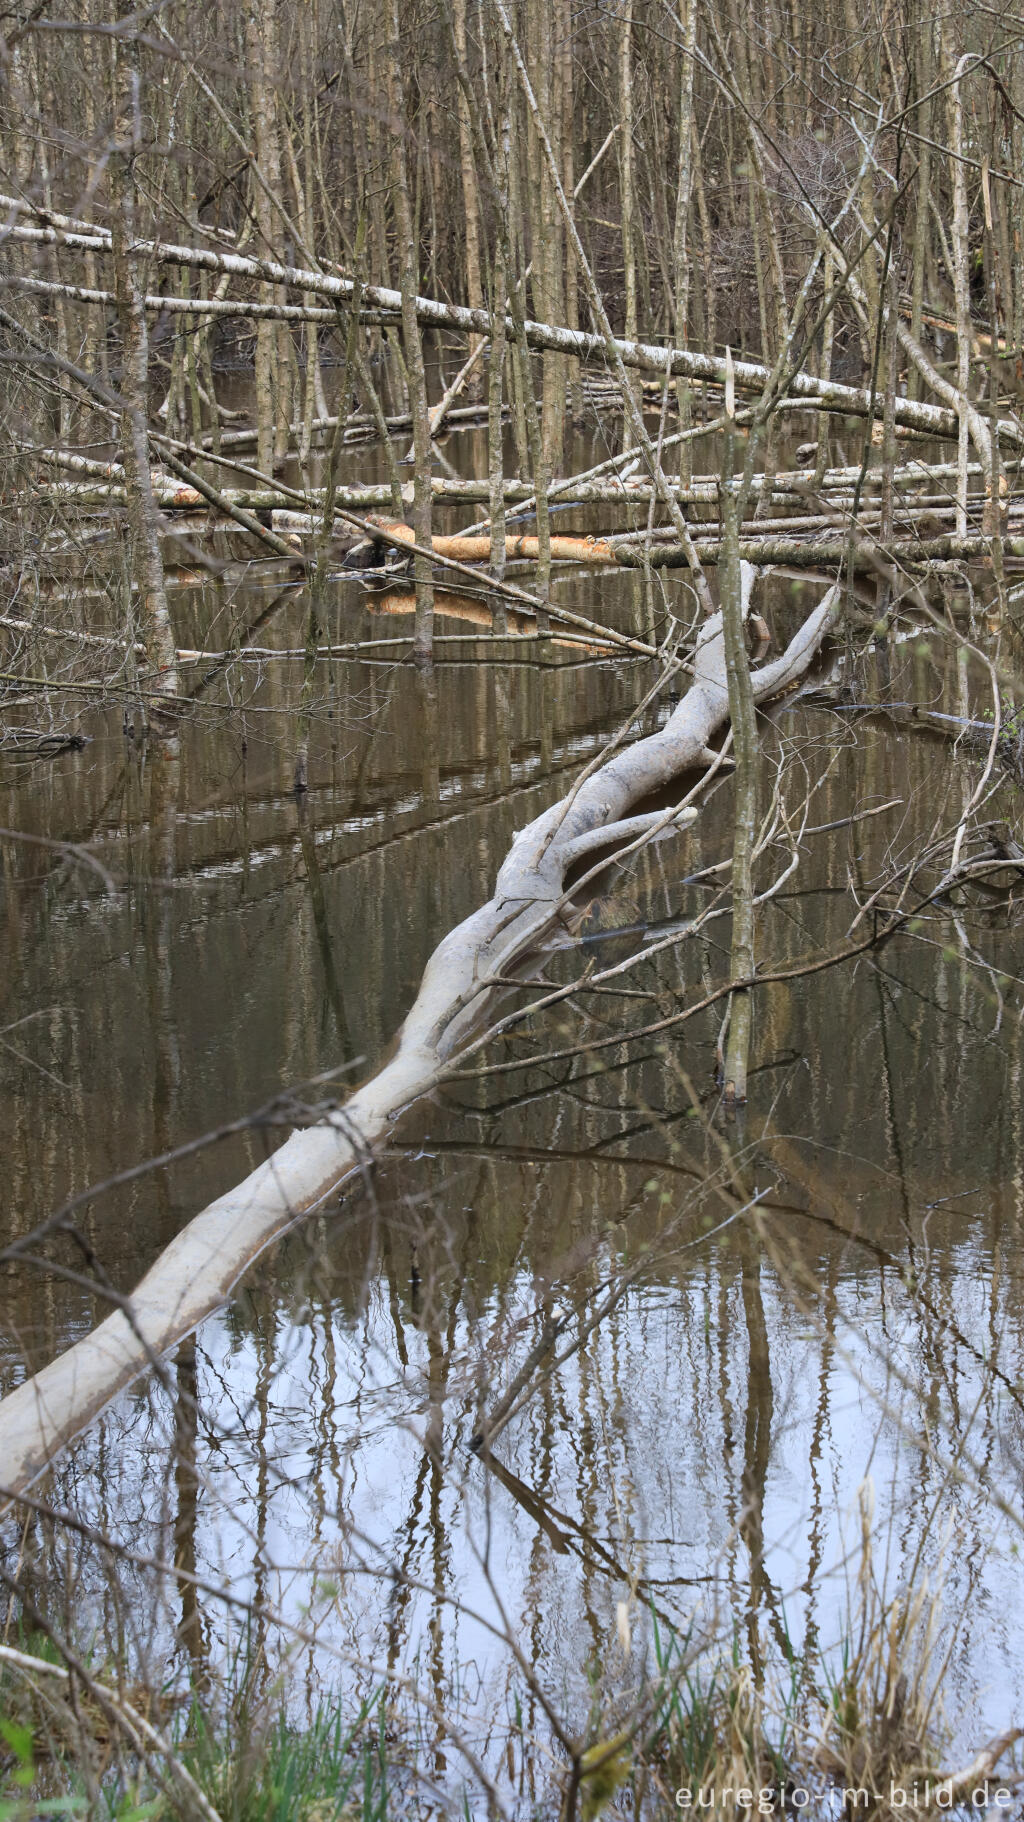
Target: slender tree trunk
column 736, row 581
column 548, row 252
column 470, row 195
column 627, row 180
column 572, row 301
column 922, row 211
column 412, row 343
column 680, row 242
column 272, row 415
column 147, row 563
column 961, row 273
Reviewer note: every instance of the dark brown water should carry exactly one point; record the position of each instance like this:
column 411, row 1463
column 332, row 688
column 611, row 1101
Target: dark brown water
column 701, row 1453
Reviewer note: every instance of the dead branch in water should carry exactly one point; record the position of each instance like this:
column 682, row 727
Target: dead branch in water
column 478, row 550
column 196, row 1272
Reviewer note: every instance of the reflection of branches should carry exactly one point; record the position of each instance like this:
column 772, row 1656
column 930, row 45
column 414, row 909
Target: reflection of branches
column 284, row 1110
column 887, row 924
column 783, row 1153
column 83, row 856
column 521, row 1390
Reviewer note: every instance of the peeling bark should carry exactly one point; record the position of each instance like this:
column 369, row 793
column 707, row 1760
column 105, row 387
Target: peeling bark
column 933, row 420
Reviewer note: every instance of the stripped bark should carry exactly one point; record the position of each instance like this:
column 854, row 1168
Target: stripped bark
column 478, row 550
column 197, row 1271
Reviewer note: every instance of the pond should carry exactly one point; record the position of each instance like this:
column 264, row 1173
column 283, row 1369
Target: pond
column 823, row 1293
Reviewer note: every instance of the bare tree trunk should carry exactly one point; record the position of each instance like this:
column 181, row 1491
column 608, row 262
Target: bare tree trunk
column 272, row 418
column 825, row 371
column 993, row 520
column 961, row 276
column 470, row 197
column 495, row 425
column 627, row 181
column 196, row 1272
column 548, row 234
column 572, row 302
column 412, row 343
column 680, row 246
column 922, row 209
column 735, row 585
column 147, row 563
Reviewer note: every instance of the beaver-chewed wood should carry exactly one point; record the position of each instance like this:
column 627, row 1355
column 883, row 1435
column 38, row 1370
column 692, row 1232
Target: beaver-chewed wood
column 195, row 1274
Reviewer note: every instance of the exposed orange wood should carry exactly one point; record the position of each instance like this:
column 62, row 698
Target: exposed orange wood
column 478, row 549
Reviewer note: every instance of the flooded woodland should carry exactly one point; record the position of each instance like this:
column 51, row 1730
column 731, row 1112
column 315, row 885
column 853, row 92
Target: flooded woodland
column 511, row 963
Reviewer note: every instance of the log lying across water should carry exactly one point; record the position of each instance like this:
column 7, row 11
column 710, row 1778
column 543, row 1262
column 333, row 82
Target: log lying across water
column 816, row 550
column 107, row 480
column 195, row 1274
column 47, row 228
column 478, row 549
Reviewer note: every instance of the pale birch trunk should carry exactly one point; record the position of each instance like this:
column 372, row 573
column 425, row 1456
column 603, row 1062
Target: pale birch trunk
column 196, row 1273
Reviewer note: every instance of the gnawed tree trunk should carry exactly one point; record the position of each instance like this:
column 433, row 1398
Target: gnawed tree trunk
column 479, row 549
column 196, row 1272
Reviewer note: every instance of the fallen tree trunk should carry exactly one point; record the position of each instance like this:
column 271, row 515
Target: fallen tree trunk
column 812, row 551
column 195, row 1274
column 822, row 552
column 478, row 550
column 703, row 490
column 935, row 420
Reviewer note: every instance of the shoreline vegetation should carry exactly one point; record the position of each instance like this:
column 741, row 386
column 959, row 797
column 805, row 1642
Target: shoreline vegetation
column 860, row 1733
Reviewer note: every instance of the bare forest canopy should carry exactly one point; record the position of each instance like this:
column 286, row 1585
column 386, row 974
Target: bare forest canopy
column 546, row 334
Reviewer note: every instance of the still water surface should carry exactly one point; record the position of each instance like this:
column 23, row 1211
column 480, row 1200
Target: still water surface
column 699, row 1455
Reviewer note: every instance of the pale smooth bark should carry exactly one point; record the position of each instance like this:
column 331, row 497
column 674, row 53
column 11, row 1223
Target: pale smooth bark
column 197, row 1271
